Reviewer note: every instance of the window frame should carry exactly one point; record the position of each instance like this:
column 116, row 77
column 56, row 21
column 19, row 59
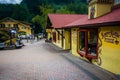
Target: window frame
column 86, row 54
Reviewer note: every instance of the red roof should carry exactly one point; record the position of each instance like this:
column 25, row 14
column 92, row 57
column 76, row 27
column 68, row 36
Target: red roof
column 73, row 20
column 60, row 20
column 113, row 16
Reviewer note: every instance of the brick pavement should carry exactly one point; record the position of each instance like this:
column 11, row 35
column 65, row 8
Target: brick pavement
column 41, row 61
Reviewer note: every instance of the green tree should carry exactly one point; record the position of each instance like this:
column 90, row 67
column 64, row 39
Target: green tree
column 21, row 12
column 79, row 8
column 36, row 21
column 64, row 10
column 6, row 10
column 40, row 20
column 45, row 10
column 33, row 5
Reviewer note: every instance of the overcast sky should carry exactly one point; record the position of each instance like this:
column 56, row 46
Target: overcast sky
column 10, row 1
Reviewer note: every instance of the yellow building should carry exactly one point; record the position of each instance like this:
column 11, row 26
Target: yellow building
column 94, row 37
column 59, row 36
column 22, row 27
column 98, row 37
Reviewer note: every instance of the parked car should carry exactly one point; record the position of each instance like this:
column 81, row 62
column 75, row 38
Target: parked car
column 40, row 35
column 2, row 45
column 23, row 36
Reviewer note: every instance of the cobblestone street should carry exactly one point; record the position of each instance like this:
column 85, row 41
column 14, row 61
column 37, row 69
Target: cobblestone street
column 42, row 61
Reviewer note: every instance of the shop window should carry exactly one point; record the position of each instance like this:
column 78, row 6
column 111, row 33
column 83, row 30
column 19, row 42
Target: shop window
column 87, row 43
column 116, row 2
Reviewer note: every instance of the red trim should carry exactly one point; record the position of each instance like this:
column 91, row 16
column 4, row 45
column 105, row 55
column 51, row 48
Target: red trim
column 78, row 51
column 81, row 54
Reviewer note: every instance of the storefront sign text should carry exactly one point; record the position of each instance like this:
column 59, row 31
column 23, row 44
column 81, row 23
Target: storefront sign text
column 110, row 37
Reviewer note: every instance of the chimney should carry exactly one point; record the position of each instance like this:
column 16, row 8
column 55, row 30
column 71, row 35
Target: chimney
column 99, row 8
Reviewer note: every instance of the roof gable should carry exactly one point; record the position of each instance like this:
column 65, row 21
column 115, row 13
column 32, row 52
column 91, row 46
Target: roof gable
column 8, row 19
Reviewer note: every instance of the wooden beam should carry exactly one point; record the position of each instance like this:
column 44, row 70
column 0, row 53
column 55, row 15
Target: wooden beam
column 60, row 33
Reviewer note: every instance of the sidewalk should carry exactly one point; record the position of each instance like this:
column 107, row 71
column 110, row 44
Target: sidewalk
column 89, row 69
column 56, row 48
